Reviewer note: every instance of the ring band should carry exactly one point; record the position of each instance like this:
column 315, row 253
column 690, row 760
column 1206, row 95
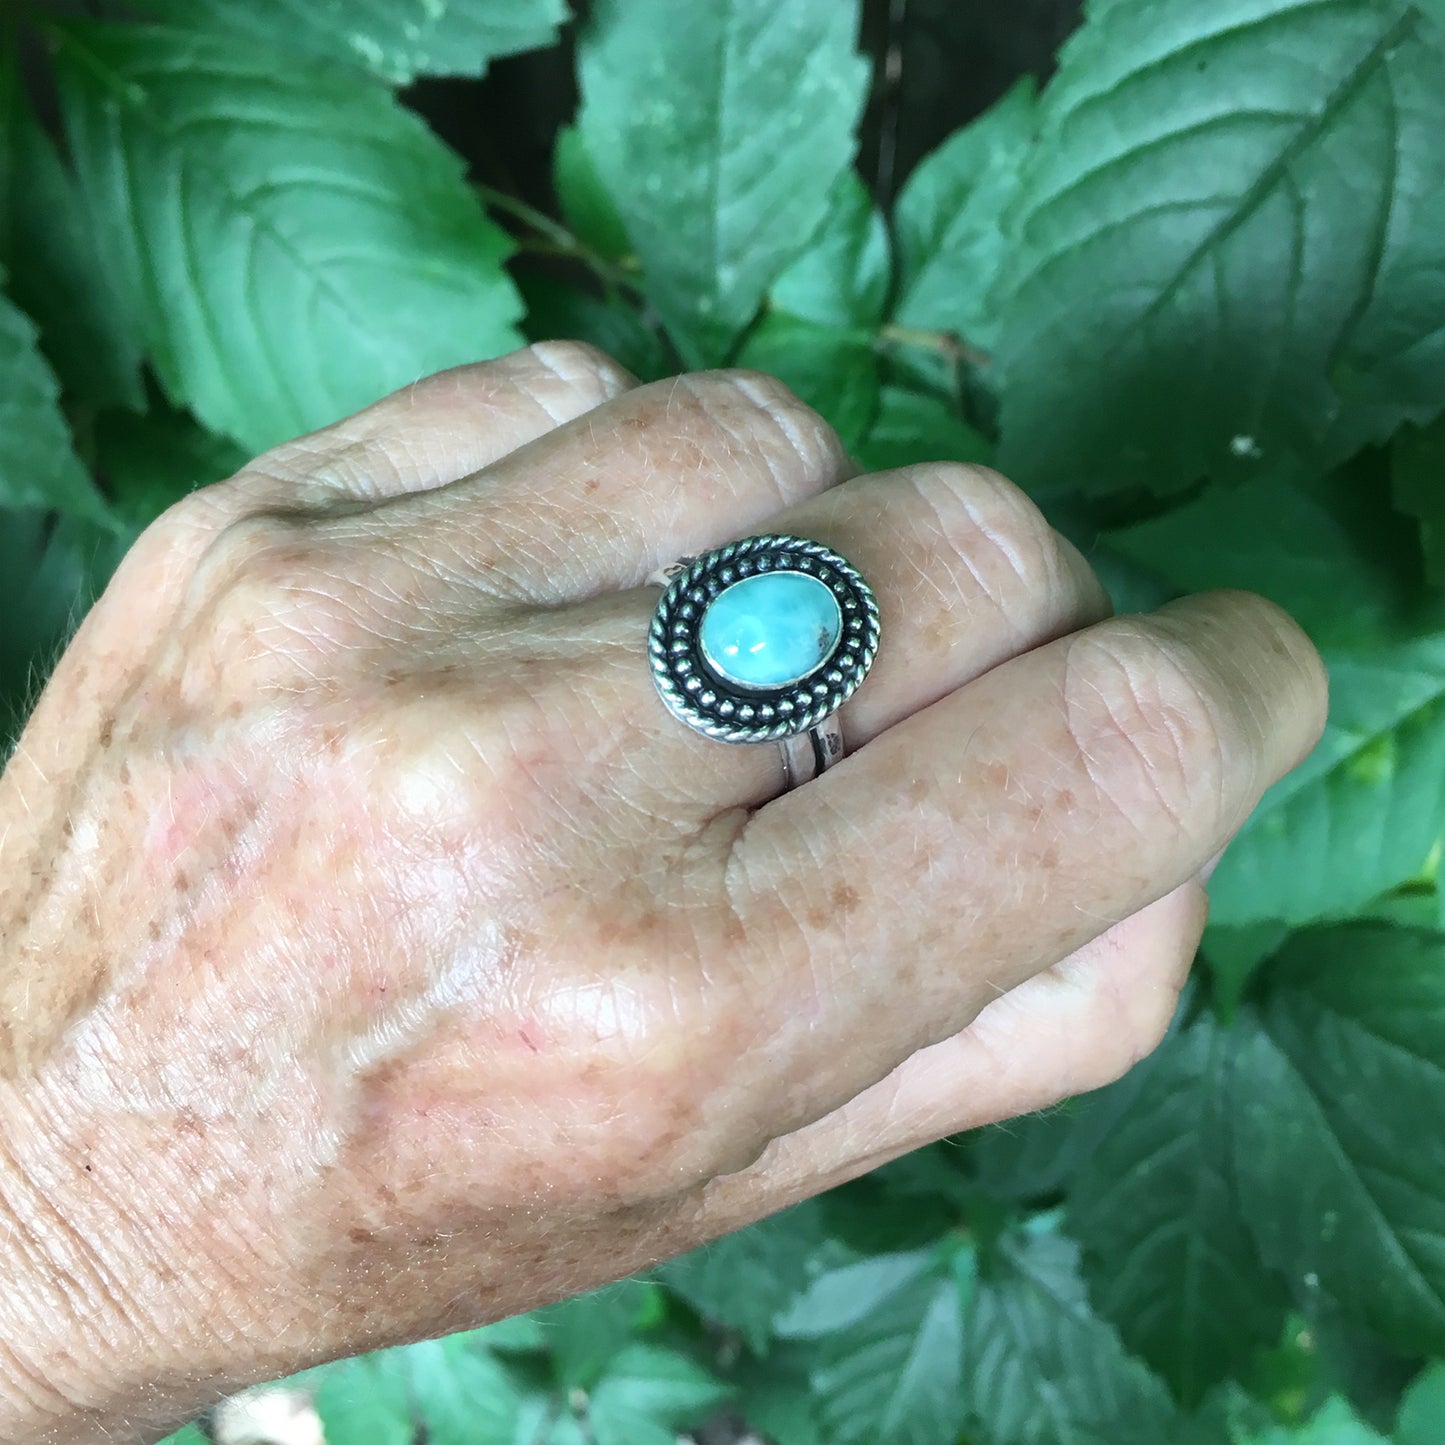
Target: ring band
column 763, row 640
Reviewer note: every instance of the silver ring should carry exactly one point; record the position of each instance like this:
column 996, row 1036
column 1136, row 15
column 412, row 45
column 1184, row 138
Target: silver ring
column 774, row 662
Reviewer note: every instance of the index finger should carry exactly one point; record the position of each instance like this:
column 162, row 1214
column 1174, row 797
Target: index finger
column 991, row 834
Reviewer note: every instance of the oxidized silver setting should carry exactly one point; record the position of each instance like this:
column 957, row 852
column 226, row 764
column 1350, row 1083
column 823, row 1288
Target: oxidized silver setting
column 696, row 695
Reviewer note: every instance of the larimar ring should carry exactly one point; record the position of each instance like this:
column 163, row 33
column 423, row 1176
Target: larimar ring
column 762, row 641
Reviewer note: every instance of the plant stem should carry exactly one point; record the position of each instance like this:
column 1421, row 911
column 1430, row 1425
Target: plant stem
column 557, row 240
column 948, row 344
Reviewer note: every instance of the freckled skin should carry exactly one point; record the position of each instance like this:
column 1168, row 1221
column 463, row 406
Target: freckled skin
column 377, row 956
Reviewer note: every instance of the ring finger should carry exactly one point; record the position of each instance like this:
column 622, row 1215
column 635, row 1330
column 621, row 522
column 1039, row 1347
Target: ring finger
column 967, row 573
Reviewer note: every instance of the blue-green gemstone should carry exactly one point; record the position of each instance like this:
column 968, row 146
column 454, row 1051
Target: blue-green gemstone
column 770, row 630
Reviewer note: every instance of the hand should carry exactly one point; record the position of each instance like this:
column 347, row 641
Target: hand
column 381, row 958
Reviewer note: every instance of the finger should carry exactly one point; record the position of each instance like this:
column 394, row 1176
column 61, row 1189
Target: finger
column 1019, row 817
column 663, row 470
column 967, row 573
column 440, row 428
column 1074, row 1027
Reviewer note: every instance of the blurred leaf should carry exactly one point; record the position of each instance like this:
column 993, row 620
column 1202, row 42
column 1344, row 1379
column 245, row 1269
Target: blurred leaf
column 464, row 1396
column 584, row 1333
column 1422, row 1412
column 52, row 250
column 776, row 1397
column 841, row 280
column 397, row 39
column 50, row 573
column 1340, row 1132
column 1233, row 956
column 1394, row 369
column 841, row 1298
column 744, row 1280
column 1417, row 473
column 151, row 461
column 1328, row 553
column 585, row 204
column 720, row 140
column 1333, row 1424
column 1362, row 812
column 520, row 1334
column 1040, row 1368
column 912, row 427
column 1167, row 1252
column 892, row 1377
column 189, row 1436
column 648, row 1395
column 1225, row 212
column 834, row 371
column 557, row 312
column 289, row 242
column 948, row 218
column 365, row 1402
column 38, row 465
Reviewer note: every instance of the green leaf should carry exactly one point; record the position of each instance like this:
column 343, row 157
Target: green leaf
column 1335, row 1423
column 585, row 204
column 1225, row 203
column 518, row 1334
column 1340, row 1132
column 951, row 244
column 1417, row 475
column 289, row 242
column 720, row 141
column 189, row 1436
column 843, row 277
column 1041, row 1369
column 1423, row 1408
column 1167, row 1253
column 776, row 1397
column 396, row 39
column 38, row 465
column 893, row 1376
column 151, row 461
column 50, row 573
column 840, row 1299
column 585, row 1332
column 744, row 1280
column 1363, row 811
column 54, row 257
column 464, row 1396
column 1234, row 955
column 1394, row 369
column 649, row 1394
column 1327, row 552
column 365, row 1402
column 912, row 427
column 557, row 312
column 834, row 371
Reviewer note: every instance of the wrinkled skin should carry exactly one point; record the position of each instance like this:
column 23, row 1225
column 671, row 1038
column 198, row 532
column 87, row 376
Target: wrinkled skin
column 380, row 958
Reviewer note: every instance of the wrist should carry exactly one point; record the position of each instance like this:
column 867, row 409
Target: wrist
column 81, row 1357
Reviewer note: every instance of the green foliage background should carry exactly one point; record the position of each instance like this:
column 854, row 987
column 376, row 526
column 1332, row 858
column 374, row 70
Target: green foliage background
column 1191, row 294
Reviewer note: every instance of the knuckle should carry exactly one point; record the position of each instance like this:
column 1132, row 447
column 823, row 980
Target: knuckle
column 760, row 412
column 580, row 366
column 250, row 613
column 1150, row 735
column 1007, row 545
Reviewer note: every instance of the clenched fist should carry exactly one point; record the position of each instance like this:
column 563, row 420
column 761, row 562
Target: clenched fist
column 379, row 957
